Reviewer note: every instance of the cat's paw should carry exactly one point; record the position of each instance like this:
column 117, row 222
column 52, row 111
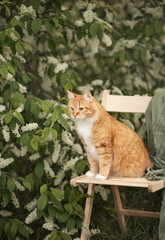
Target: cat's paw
column 89, row 174
column 99, row 176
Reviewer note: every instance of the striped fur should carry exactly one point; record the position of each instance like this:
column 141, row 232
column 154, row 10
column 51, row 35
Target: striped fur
column 112, row 147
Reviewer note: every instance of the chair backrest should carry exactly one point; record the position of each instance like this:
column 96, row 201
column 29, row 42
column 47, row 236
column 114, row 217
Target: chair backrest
column 127, row 104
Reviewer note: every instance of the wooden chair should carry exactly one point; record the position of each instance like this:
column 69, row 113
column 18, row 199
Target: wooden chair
column 127, row 104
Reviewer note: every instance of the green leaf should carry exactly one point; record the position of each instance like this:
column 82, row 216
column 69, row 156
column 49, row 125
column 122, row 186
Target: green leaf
column 35, row 109
column 19, row 117
column 22, row 230
column 80, row 166
column 3, row 71
column 42, row 201
column 8, row 116
column 27, row 105
column 57, row 193
column 49, row 27
column 36, row 25
column 55, row 114
column 100, row 33
column 43, row 189
column 79, row 208
column 39, row 170
column 93, row 29
column 13, row 86
column 24, row 139
column 149, row 30
column 10, row 68
column 64, row 123
column 53, row 133
column 6, row 95
column 2, row 36
column 14, row 229
column 69, row 208
column 63, row 217
column 10, row 184
column 51, row 211
column 18, row 47
column 65, row 236
column 34, row 143
column 70, row 224
column 57, row 204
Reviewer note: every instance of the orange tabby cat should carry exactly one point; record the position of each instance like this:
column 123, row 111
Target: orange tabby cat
column 112, row 147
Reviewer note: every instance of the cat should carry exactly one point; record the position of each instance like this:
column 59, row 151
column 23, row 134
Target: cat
column 113, row 149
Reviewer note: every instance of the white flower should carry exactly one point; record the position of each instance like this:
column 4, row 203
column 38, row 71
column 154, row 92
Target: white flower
column 19, row 186
column 48, row 169
column 116, row 90
column 5, row 162
column 130, row 43
column 10, row 77
column 13, row 37
column 15, row 200
column 20, row 108
column 49, row 225
column 88, row 16
column 5, row 213
column 31, row 217
column 34, row 157
column 15, row 150
column 70, row 164
column 29, row 127
column 81, row 4
column 15, row 131
column 6, row 133
column 31, row 205
column 67, row 138
column 79, row 23
column 23, row 151
column 107, row 40
column 22, row 89
column 81, row 43
column 7, row 52
column 61, row 67
column 56, row 152
column 97, row 82
column 52, row 60
column 2, row 58
column 156, row 12
column 94, row 43
column 2, row 108
column 60, row 176
column 30, row 10
column 77, row 148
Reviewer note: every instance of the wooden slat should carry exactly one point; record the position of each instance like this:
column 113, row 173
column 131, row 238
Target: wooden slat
column 121, row 181
column 137, row 213
column 127, row 104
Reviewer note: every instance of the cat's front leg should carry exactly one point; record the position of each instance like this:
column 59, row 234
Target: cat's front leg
column 105, row 160
column 94, row 166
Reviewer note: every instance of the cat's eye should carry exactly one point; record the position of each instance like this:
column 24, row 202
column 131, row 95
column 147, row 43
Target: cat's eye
column 81, row 109
column 71, row 108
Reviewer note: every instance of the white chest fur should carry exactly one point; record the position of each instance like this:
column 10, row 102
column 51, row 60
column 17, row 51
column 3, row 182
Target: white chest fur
column 84, row 128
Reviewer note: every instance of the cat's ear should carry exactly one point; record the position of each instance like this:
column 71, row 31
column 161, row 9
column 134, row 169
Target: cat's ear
column 88, row 96
column 71, row 95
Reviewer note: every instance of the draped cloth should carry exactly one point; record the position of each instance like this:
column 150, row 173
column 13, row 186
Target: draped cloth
column 155, row 123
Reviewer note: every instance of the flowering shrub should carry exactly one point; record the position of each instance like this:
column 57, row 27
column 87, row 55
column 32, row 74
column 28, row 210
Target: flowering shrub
column 47, row 48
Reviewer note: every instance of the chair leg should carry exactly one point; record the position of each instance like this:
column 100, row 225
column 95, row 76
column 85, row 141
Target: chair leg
column 119, row 208
column 88, row 212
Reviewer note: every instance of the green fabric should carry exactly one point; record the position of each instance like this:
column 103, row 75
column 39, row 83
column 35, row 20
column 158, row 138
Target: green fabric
column 155, row 122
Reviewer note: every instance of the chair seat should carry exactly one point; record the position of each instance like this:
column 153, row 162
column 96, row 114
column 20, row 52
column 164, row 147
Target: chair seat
column 152, row 186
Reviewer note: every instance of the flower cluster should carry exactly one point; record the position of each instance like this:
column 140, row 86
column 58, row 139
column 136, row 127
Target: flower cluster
column 29, row 127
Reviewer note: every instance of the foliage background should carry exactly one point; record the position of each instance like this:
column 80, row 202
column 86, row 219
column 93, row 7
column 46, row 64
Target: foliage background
column 46, row 48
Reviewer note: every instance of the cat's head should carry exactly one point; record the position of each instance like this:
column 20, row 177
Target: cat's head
column 81, row 106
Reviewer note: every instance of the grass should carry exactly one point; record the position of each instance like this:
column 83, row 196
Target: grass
column 138, row 228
